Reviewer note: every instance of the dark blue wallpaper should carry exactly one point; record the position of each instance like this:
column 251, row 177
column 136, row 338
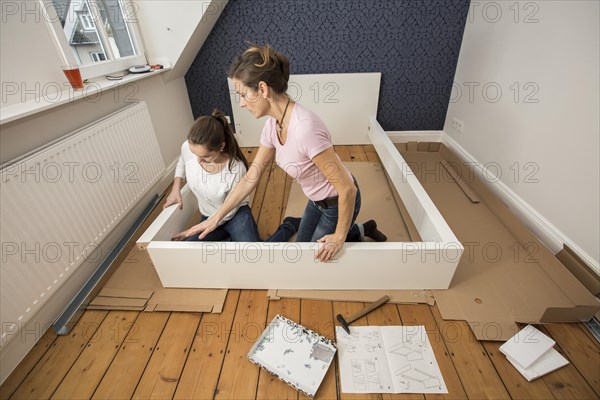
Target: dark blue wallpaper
column 414, row 44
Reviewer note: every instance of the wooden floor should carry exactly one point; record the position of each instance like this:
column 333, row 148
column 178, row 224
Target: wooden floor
column 125, row 354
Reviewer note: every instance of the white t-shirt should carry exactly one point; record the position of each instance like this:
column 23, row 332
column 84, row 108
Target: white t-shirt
column 210, row 189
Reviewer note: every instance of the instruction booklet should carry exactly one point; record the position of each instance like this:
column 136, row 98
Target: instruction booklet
column 388, row 359
column 294, row 354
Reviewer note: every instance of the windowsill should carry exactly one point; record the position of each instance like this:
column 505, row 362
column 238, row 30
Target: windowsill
column 91, row 90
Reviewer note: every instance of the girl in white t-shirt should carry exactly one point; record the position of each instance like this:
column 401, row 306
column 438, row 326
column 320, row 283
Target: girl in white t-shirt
column 212, row 163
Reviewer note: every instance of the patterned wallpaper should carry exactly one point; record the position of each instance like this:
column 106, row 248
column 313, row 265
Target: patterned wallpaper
column 413, row 43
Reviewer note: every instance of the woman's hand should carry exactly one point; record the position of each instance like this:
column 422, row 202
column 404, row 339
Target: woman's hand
column 174, row 198
column 203, row 228
column 332, row 244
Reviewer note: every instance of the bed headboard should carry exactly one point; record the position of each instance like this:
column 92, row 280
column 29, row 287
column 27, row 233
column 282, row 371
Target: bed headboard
column 345, row 102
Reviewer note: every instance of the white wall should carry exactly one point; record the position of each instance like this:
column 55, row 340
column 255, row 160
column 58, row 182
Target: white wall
column 29, row 60
column 23, row 30
column 176, row 37
column 553, row 123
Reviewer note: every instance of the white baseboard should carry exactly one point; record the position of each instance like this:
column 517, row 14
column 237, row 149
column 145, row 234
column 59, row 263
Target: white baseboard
column 549, row 234
column 414, row 136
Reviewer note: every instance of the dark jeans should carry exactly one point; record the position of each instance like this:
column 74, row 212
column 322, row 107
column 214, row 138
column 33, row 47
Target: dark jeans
column 319, row 221
column 242, row 228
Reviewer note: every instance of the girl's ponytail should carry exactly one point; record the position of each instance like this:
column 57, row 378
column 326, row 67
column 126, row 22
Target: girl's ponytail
column 214, row 130
column 232, row 148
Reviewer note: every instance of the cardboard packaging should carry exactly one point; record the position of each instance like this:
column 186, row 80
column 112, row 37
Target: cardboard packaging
column 505, row 276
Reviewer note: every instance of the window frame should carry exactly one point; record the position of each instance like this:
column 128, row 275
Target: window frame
column 98, row 54
column 87, row 21
column 101, row 68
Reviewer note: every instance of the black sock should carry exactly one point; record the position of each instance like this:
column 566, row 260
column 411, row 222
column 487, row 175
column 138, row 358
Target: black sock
column 371, row 231
column 293, row 222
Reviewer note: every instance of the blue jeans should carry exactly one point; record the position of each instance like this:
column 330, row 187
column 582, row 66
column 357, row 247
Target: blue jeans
column 242, row 228
column 319, row 221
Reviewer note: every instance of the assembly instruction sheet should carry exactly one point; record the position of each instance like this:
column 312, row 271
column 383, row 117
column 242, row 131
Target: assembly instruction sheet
column 388, row 359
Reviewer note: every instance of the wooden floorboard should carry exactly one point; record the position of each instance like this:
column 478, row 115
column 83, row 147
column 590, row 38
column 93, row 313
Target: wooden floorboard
column 49, row 372
column 270, row 216
column 239, row 377
column 164, row 369
column 122, row 355
column 515, row 383
column 578, row 348
column 478, row 375
column 371, row 153
column 91, row 365
column 125, row 371
column 203, row 366
column 259, row 193
column 568, row 382
column 29, row 362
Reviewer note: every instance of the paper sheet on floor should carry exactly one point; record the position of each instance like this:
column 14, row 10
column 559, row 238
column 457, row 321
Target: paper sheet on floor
column 388, row 359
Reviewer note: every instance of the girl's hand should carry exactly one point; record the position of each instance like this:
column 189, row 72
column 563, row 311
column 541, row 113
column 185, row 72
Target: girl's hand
column 332, row 244
column 180, row 236
column 174, row 198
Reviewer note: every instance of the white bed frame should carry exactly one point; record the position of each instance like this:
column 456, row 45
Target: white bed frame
column 429, row 264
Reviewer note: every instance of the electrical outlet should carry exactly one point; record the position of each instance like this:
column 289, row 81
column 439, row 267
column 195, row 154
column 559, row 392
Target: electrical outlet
column 458, row 125
column 228, row 118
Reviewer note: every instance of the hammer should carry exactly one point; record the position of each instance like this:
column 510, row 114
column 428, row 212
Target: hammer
column 345, row 323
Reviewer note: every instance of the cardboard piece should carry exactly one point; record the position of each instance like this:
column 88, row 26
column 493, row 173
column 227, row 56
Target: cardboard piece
column 135, row 286
column 409, row 225
column 461, row 183
column 376, row 196
column 379, row 202
column 578, row 268
column 506, row 275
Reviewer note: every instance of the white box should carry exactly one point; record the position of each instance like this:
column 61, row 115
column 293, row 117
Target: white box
column 429, row 264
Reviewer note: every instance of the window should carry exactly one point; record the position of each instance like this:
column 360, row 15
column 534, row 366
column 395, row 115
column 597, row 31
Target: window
column 87, row 21
column 101, row 36
column 98, row 57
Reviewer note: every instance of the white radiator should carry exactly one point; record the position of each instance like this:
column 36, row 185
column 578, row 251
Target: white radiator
column 58, row 203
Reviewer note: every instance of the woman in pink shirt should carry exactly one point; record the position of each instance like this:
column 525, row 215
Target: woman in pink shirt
column 302, row 147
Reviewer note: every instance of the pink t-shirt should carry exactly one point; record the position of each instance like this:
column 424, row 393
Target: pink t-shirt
column 307, row 137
